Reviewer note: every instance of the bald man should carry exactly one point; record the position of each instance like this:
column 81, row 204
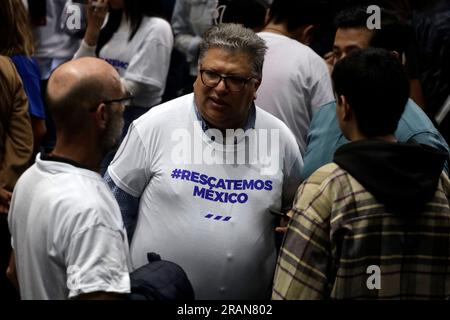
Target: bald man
column 67, row 232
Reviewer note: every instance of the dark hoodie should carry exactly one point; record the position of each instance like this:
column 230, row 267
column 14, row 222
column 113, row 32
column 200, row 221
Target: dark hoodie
column 401, row 176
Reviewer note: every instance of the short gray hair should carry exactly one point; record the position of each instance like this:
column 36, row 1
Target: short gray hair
column 235, row 38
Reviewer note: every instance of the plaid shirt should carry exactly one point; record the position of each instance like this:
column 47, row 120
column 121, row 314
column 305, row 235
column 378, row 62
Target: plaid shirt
column 338, row 230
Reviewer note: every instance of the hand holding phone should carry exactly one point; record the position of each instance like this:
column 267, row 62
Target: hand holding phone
column 96, row 12
column 284, row 221
column 277, row 213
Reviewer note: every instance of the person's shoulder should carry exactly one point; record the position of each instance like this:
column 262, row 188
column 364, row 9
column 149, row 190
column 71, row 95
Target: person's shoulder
column 318, row 187
column 27, row 178
column 27, row 67
column 414, row 121
column 324, row 117
column 444, row 183
column 326, row 111
column 8, row 69
column 159, row 115
column 265, row 120
column 325, row 180
column 283, row 44
column 71, row 189
column 83, row 194
column 412, row 107
column 157, row 24
column 155, row 31
column 325, row 174
column 5, row 61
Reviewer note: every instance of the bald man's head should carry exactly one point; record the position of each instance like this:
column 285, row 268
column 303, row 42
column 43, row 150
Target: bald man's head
column 77, row 87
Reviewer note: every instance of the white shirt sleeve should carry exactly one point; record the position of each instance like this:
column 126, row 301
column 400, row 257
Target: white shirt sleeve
column 321, row 90
column 129, row 169
column 137, row 88
column 150, row 64
column 96, row 260
column 84, row 50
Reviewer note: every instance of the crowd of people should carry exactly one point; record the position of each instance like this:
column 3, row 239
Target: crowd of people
column 272, row 149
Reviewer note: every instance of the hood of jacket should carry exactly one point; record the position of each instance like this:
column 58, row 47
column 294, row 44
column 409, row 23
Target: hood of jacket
column 401, row 176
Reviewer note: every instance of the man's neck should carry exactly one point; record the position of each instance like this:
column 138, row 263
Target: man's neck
column 278, row 28
column 248, row 123
column 385, row 138
column 300, row 34
column 84, row 153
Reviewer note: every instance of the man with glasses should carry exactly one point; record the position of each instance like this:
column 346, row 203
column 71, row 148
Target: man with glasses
column 67, row 231
column 352, row 35
column 205, row 171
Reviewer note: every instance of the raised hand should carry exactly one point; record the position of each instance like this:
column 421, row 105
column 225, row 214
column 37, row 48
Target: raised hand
column 96, row 12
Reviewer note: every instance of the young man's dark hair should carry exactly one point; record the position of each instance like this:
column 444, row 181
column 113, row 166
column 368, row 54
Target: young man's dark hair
column 381, row 202
column 250, row 13
column 393, row 34
column 298, row 13
column 378, row 106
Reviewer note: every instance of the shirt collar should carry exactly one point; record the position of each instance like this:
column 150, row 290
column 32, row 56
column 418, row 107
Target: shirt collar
column 50, row 157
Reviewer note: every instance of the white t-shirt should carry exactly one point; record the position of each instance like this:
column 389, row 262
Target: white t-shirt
column 53, row 45
column 144, row 59
column 67, row 233
column 296, row 81
column 212, row 219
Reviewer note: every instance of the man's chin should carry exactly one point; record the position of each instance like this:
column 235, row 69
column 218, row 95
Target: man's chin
column 216, row 119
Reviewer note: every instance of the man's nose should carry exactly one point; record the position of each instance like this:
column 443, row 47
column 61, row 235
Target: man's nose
column 221, row 86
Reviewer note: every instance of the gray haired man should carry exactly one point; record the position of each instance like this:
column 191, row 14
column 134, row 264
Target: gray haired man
column 198, row 176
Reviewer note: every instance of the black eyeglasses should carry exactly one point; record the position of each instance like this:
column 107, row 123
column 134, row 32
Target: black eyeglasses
column 126, row 101
column 212, row 79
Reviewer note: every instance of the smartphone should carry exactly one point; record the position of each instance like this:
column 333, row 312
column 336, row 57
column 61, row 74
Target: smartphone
column 278, row 213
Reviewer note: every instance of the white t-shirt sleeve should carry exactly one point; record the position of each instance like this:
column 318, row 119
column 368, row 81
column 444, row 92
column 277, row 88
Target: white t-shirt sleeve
column 130, row 168
column 84, row 50
column 96, row 260
column 150, row 64
column 321, row 90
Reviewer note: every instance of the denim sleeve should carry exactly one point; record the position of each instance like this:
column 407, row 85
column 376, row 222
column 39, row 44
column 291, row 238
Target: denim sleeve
column 128, row 205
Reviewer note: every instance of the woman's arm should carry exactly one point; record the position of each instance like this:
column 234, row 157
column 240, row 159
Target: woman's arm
column 96, row 12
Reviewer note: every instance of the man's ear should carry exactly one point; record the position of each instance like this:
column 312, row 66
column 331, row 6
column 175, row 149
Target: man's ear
column 257, row 84
column 267, row 17
column 347, row 111
column 101, row 116
column 306, row 34
column 343, row 109
column 396, row 55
